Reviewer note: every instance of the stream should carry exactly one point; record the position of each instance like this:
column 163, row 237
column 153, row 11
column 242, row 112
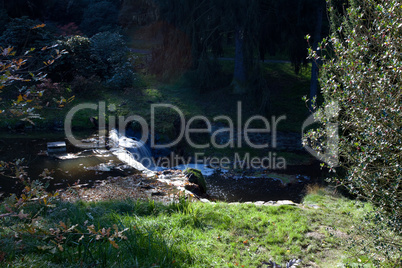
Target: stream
column 87, row 167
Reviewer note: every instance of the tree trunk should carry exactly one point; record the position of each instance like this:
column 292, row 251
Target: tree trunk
column 239, row 74
column 314, row 67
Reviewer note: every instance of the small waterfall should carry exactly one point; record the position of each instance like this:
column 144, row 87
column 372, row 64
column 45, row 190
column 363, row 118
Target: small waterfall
column 131, row 151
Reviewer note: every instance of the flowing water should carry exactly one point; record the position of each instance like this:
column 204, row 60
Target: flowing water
column 88, row 166
column 77, row 166
column 247, row 185
column 131, row 151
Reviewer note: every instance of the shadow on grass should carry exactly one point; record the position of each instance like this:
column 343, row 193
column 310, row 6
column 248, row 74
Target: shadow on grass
column 105, row 234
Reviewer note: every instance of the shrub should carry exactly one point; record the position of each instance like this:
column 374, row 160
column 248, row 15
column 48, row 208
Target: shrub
column 109, row 48
column 76, row 62
column 19, row 75
column 104, row 56
column 32, row 41
column 77, row 44
column 123, row 77
column 23, row 34
column 53, row 94
column 364, row 78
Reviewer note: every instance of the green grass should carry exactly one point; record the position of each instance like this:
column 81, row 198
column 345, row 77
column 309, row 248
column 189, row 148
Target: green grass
column 186, row 234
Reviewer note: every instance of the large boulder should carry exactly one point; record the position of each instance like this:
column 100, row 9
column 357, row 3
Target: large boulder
column 195, row 176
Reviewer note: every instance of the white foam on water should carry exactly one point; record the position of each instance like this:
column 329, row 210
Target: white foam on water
column 138, row 155
column 132, row 152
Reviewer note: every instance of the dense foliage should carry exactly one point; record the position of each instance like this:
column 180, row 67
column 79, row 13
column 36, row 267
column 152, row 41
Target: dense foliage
column 102, row 57
column 22, row 78
column 22, row 34
column 363, row 77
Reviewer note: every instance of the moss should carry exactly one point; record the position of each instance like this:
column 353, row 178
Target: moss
column 195, row 176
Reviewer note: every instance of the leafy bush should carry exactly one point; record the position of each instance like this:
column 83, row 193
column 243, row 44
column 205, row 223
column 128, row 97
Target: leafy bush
column 77, row 44
column 54, row 94
column 103, row 56
column 109, row 49
column 76, row 62
column 23, row 34
column 30, row 40
column 19, row 78
column 123, row 77
column 364, row 78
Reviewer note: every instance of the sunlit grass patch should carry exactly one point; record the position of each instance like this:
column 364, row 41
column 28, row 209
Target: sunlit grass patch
column 134, row 233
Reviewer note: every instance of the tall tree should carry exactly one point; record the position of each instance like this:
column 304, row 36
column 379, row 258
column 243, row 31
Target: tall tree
column 253, row 26
column 243, row 20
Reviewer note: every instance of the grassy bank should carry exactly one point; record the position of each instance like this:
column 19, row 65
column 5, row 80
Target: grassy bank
column 184, row 234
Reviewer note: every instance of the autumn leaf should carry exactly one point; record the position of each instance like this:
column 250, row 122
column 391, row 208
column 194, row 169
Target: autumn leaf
column 114, row 244
column 91, row 229
column 82, row 237
column 63, row 225
column 38, row 26
column 7, row 51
